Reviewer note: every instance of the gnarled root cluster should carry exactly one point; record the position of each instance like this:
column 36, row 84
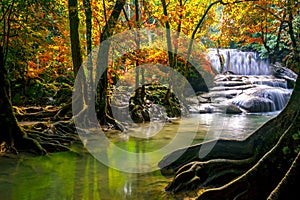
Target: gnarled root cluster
column 215, row 172
column 231, row 171
column 54, row 137
column 263, row 179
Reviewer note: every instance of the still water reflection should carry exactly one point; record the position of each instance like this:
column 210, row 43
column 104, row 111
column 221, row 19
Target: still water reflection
column 71, row 176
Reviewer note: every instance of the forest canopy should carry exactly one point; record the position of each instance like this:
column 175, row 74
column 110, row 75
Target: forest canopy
column 36, row 40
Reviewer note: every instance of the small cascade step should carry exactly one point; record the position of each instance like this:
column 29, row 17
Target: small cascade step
column 250, row 93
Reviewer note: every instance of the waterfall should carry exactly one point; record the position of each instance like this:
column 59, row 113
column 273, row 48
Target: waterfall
column 248, row 82
column 238, row 62
column 263, row 99
column 279, row 96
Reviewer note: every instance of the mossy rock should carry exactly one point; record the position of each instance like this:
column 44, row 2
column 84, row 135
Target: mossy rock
column 145, row 97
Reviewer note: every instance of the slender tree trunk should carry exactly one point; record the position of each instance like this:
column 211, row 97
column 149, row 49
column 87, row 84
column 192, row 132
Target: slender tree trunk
column 88, row 24
column 90, row 76
column 276, row 49
column 104, row 109
column 81, row 85
column 291, row 32
column 77, row 56
column 74, row 35
column 170, row 52
column 137, row 42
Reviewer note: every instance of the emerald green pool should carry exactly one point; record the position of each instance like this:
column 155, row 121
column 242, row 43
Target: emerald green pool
column 67, row 175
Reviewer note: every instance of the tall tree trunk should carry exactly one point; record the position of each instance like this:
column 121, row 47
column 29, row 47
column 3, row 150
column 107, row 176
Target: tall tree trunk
column 80, row 85
column 104, row 109
column 170, row 51
column 12, row 136
column 137, row 42
column 90, row 74
column 277, row 47
column 294, row 39
column 88, row 24
column 74, row 35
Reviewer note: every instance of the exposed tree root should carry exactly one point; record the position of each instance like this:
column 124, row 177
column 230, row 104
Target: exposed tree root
column 287, row 188
column 35, row 113
column 253, row 181
column 55, row 137
column 85, row 120
column 41, row 138
column 222, row 149
column 23, row 142
column 242, row 169
column 62, row 112
column 274, row 162
column 204, row 174
column 257, row 144
column 15, row 137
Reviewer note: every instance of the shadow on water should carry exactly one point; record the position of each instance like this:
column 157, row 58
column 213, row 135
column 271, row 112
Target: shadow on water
column 71, row 176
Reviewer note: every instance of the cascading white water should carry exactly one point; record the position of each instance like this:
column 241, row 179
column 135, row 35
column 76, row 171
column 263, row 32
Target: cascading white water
column 248, row 81
column 238, row 62
column 279, row 96
column 263, row 99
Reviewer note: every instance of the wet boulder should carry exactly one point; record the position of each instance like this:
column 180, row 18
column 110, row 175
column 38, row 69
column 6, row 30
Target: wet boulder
column 262, row 99
column 254, row 104
column 149, row 103
column 232, row 109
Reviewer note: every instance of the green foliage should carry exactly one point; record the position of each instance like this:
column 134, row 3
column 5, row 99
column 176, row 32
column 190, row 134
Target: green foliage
column 286, row 150
column 263, row 26
column 294, row 146
column 35, row 47
column 41, row 92
column 38, row 47
column 296, row 136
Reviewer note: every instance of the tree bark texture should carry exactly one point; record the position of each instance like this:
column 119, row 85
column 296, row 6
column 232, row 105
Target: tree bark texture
column 74, row 35
column 11, row 134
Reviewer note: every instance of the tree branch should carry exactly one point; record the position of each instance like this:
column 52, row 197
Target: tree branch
column 203, row 18
column 268, row 11
column 168, row 34
column 126, row 17
column 104, row 12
